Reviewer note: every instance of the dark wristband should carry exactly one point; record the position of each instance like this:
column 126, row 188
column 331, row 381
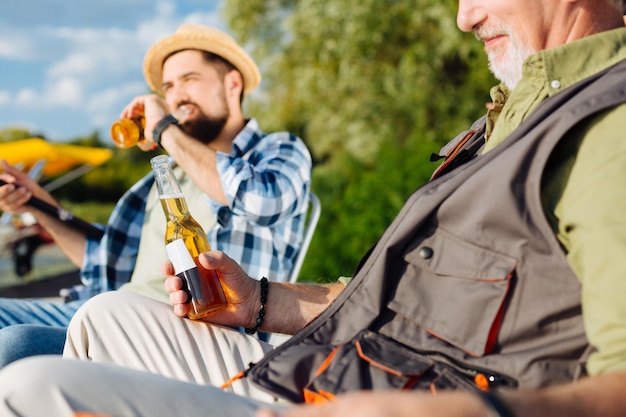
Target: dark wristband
column 495, row 404
column 161, row 126
column 261, row 318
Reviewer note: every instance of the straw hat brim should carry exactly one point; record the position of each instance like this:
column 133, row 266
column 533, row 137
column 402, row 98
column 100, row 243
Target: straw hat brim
column 202, row 38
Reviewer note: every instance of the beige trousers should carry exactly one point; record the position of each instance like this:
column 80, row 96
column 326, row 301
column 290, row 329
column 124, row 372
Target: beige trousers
column 167, row 366
column 141, row 333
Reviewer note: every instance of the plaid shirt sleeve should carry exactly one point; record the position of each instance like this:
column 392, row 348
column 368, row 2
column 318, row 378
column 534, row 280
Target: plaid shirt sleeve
column 267, row 176
column 109, row 262
column 266, row 180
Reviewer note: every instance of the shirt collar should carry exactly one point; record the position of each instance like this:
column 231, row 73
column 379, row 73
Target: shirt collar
column 247, row 138
column 565, row 65
column 552, row 70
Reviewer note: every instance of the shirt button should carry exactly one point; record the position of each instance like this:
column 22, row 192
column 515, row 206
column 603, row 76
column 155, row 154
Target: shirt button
column 223, row 216
column 426, row 252
column 556, row 84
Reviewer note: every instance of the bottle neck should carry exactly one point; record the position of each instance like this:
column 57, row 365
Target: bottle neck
column 175, row 207
column 166, row 182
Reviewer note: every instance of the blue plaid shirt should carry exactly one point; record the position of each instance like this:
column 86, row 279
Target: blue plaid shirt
column 266, row 179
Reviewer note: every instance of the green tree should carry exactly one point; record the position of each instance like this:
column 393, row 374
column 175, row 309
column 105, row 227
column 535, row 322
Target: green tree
column 110, row 181
column 373, row 87
column 10, row 134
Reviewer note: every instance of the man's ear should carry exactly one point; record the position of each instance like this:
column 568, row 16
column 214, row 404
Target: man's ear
column 233, row 84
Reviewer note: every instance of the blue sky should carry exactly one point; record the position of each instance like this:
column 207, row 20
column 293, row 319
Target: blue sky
column 68, row 67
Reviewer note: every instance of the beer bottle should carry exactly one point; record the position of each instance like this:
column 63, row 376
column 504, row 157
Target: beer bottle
column 126, row 133
column 184, row 241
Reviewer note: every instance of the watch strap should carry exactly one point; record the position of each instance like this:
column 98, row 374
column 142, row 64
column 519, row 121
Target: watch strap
column 161, row 126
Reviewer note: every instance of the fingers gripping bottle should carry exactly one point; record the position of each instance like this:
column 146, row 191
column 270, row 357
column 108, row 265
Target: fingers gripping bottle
column 185, row 241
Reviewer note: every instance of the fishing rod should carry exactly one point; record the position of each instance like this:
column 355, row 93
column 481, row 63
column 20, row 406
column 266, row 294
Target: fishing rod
column 65, row 216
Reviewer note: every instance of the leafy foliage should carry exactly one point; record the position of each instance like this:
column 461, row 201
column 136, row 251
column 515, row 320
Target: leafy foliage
column 373, row 87
column 11, row 134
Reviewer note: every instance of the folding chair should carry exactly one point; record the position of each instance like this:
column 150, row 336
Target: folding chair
column 315, row 209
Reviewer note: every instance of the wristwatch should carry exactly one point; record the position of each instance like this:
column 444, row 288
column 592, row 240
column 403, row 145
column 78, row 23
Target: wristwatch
column 161, row 126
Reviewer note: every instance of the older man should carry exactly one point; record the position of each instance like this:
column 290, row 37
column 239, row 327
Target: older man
column 499, row 286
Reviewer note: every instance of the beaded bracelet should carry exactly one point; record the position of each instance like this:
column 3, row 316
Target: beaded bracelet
column 259, row 321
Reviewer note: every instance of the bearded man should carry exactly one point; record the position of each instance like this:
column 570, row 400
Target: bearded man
column 248, row 189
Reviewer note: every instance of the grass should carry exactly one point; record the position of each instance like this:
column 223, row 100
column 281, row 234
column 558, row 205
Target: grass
column 90, row 211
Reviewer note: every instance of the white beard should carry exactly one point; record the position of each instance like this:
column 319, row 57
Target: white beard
column 506, row 63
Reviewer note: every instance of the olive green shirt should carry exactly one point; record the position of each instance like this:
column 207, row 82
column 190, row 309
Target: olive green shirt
column 584, row 187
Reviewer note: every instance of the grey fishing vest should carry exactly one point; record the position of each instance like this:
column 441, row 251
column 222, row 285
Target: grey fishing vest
column 468, row 287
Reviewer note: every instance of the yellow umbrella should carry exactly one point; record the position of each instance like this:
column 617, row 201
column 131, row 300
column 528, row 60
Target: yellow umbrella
column 59, row 157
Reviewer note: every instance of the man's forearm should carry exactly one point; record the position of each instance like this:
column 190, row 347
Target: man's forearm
column 290, row 307
column 71, row 241
column 594, row 396
column 197, row 160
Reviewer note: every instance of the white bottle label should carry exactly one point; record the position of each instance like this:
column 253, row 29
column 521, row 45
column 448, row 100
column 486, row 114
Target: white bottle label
column 179, row 256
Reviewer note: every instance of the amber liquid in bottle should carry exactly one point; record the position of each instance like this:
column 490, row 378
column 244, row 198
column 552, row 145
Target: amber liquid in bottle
column 126, row 133
column 185, row 240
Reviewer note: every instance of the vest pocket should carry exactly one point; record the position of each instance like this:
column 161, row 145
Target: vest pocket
column 370, row 361
column 455, row 291
column 374, row 362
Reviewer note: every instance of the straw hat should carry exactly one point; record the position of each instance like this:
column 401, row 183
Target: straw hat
column 203, row 38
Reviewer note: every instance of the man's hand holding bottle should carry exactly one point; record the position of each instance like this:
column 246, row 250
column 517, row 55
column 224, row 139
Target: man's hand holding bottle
column 242, row 292
column 138, row 119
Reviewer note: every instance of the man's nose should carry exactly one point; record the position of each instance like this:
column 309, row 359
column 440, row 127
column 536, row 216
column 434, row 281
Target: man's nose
column 175, row 96
column 469, row 15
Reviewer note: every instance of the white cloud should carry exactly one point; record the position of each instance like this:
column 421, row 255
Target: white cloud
column 5, row 98
column 15, row 47
column 209, row 19
column 64, row 92
column 27, row 97
column 69, row 12
column 72, row 64
column 165, row 9
column 96, row 52
column 105, row 106
column 107, row 99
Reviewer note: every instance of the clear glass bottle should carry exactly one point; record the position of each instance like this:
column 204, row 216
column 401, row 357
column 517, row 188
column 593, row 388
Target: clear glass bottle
column 126, row 133
column 185, row 240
